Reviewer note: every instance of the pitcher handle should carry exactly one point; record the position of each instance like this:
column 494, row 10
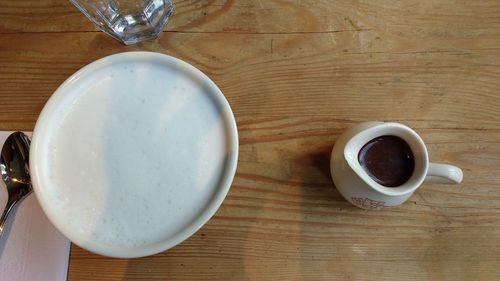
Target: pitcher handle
column 444, row 173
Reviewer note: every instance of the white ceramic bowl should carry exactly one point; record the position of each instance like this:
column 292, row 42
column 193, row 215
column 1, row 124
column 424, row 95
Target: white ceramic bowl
column 103, row 132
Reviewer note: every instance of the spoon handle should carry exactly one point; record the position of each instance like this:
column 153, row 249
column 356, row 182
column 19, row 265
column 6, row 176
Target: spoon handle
column 11, row 202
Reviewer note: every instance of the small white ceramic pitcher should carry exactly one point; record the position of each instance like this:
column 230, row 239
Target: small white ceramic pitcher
column 357, row 187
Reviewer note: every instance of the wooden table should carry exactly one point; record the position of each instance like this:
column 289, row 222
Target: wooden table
column 297, row 74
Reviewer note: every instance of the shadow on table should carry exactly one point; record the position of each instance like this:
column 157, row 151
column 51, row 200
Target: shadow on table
column 321, row 206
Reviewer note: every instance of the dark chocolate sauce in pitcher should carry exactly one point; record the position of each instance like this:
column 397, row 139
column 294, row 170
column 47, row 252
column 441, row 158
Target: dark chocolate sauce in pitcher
column 388, row 160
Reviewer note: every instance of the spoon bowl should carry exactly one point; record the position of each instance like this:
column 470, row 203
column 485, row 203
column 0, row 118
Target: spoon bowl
column 14, row 167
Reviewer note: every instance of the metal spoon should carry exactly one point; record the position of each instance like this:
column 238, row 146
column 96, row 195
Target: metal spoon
column 14, row 167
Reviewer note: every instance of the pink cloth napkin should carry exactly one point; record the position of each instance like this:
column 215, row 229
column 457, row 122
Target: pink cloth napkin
column 31, row 248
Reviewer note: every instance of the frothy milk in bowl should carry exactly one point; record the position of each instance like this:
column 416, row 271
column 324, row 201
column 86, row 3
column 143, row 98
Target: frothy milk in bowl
column 133, row 154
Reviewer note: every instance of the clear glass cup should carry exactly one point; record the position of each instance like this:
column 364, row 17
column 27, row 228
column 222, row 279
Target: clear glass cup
column 129, row 21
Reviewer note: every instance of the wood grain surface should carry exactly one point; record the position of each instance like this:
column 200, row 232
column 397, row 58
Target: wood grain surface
column 297, row 74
